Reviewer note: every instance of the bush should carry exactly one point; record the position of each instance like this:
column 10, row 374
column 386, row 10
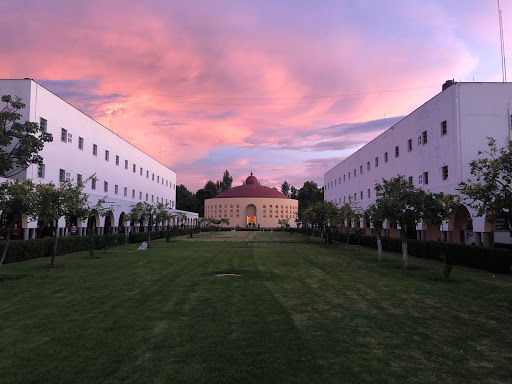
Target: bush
column 21, row 250
column 497, row 260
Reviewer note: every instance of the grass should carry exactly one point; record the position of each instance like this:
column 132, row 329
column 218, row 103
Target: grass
column 300, row 313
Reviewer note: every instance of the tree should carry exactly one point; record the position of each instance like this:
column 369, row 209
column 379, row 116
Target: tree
column 294, row 193
column 308, row 195
column 227, row 181
column 284, row 223
column 285, row 189
column 93, row 210
column 143, row 211
column 347, row 213
column 376, row 215
column 20, row 144
column 211, row 187
column 491, row 192
column 321, row 214
column 185, row 200
column 52, row 203
column 16, row 198
column 403, row 204
column 201, row 196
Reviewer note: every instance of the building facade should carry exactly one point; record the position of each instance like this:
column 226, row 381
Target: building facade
column 252, row 204
column 81, row 148
column 433, row 147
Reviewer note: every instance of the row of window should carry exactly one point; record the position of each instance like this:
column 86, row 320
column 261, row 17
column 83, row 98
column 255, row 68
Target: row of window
column 422, row 179
column 422, row 140
column 264, row 206
column 264, row 215
column 66, row 176
column 67, row 137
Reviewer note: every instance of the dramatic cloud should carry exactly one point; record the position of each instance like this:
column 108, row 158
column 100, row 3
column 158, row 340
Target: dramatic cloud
column 269, row 87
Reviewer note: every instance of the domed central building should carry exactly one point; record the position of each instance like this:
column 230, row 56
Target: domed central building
column 252, row 204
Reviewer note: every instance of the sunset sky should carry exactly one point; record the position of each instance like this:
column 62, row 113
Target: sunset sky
column 283, row 88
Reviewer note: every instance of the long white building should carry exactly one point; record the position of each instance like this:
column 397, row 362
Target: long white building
column 433, row 147
column 82, row 147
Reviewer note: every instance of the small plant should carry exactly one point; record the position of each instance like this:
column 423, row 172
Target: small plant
column 447, row 258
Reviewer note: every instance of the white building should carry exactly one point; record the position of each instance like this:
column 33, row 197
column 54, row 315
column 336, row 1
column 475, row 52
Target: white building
column 82, row 147
column 433, row 147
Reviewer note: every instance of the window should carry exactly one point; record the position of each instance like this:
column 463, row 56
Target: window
column 420, row 179
column 368, row 192
column 349, row 175
column 133, row 193
column 368, row 166
column 125, row 191
column 147, row 197
column 79, row 179
column 134, row 168
column 425, row 177
column 140, row 195
column 95, row 150
column 147, row 174
column 174, row 187
column 343, row 178
column 339, row 182
column 376, row 162
column 410, row 179
column 43, row 125
column 444, row 128
column 360, row 169
column 62, row 175
column 70, row 138
column 126, row 164
column 152, row 198
column 153, row 176
column 117, row 160
column 166, row 183
column 361, row 195
column 40, row 171
column 424, row 137
column 93, row 183
column 355, row 172
column 344, row 199
column 141, row 171
column 355, row 196
column 80, row 143
column 105, row 186
column 397, row 151
column 409, row 145
column 445, row 172
column 107, row 155
column 385, row 157
column 116, row 189
column 158, row 179
column 63, row 135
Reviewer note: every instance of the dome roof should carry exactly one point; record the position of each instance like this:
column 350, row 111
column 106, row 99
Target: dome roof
column 252, row 188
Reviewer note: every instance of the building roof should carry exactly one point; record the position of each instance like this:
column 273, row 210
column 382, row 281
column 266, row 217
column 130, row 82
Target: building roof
column 252, row 188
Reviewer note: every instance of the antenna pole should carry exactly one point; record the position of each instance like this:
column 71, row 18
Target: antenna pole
column 502, row 43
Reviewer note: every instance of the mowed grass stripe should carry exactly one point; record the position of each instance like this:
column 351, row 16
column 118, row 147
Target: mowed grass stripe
column 301, row 312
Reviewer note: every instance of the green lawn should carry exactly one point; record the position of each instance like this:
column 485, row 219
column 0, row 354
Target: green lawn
column 300, row 313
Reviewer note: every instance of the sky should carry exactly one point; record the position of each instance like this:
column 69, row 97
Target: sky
column 282, row 88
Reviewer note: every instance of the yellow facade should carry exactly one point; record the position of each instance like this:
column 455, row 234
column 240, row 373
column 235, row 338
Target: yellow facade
column 263, row 211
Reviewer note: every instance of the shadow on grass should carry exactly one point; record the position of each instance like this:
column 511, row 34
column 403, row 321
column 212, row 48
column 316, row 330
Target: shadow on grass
column 11, row 277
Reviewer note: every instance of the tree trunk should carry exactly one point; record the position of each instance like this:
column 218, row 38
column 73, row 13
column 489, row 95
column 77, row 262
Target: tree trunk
column 54, row 252
column 403, row 237
column 6, row 248
column 149, row 234
column 348, row 237
column 379, row 245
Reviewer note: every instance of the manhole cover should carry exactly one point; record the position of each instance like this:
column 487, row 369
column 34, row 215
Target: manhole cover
column 227, row 274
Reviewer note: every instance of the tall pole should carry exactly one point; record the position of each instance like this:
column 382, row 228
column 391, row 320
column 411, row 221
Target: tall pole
column 502, row 43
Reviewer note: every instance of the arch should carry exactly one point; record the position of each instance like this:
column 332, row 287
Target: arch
column 121, row 224
column 251, row 215
column 109, row 222
column 460, row 225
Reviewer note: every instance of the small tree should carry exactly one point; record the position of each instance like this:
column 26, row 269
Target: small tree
column 347, row 213
column 92, row 210
column 321, row 214
column 285, row 189
column 401, row 203
column 52, row 203
column 376, row 215
column 20, row 144
column 143, row 211
column 491, row 192
column 283, row 223
column 16, row 198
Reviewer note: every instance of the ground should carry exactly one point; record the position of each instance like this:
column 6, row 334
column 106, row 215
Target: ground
column 300, row 312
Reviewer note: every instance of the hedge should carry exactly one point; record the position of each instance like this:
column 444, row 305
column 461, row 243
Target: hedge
column 21, row 250
column 497, row 260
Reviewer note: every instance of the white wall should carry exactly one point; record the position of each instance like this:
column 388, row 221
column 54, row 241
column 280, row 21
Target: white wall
column 473, row 111
column 57, row 155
